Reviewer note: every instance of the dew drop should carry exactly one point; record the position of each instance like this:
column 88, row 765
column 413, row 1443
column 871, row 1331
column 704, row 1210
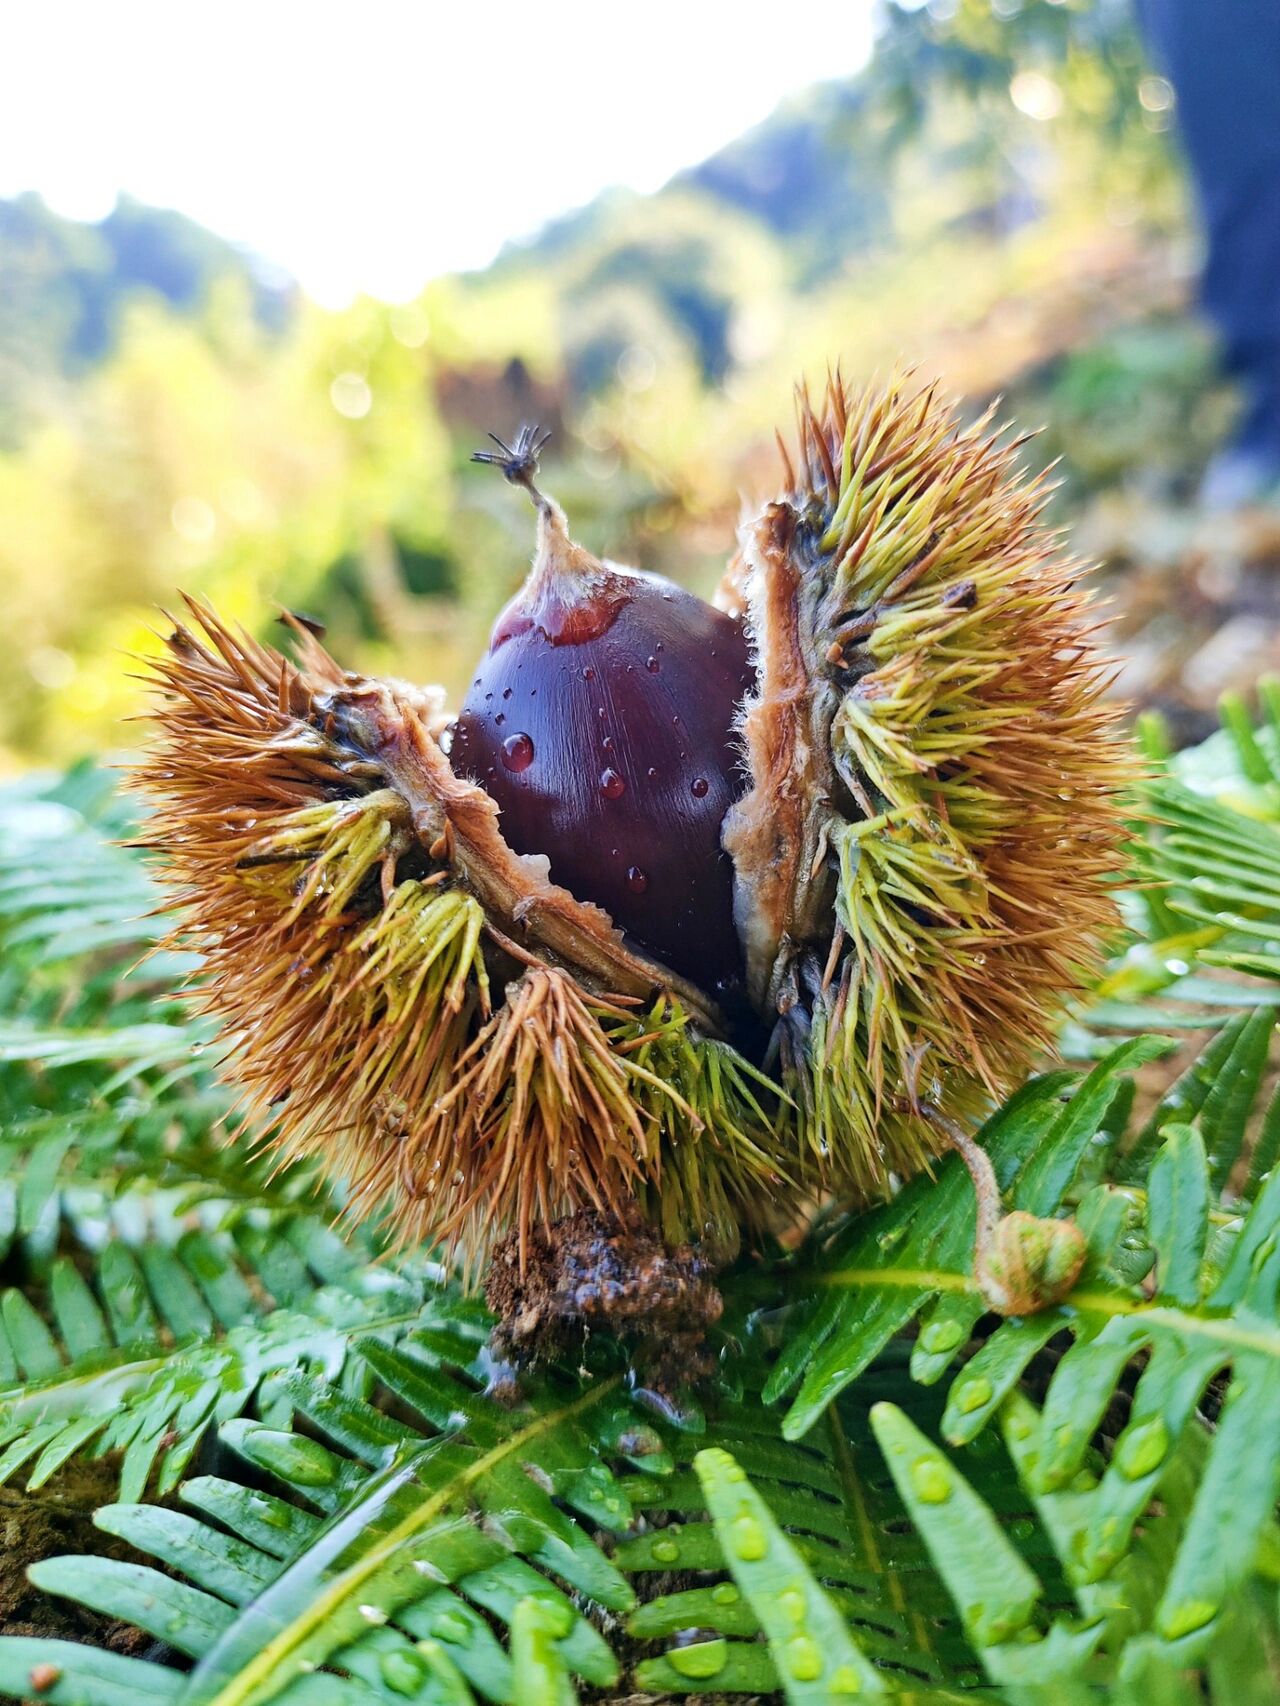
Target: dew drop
column 1142, row 1449
column 804, row 1658
column 666, row 1551
column 652, row 774
column 699, row 787
column 452, row 1627
column 588, row 674
column 845, row 1681
column 971, row 1395
column 637, row 882
column 500, row 718
column 517, row 752
column 705, row 1658
column 931, row 1480
column 941, row 1336
column 793, row 1603
column 373, row 1614
column 748, row 1539
column 506, row 693
column 403, row 1672
column 653, row 665
column 725, row 1593
column 611, row 784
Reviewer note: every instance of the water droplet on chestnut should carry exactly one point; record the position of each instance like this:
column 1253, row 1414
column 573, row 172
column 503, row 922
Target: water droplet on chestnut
column 698, row 787
column 637, row 882
column 652, row 665
column 517, row 752
column 612, row 785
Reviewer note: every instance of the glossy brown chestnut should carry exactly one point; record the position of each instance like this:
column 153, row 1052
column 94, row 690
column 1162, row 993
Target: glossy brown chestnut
column 601, row 721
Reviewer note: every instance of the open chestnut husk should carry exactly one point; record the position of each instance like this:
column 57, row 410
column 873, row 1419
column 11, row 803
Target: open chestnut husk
column 510, row 969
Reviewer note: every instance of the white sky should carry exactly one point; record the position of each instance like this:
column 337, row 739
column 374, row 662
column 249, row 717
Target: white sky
column 372, row 144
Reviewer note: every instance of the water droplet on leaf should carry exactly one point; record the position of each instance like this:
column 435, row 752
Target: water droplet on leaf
column 1142, row 1449
column 803, row 1658
column 931, row 1480
column 748, row 1539
column 971, row 1395
column 941, row 1336
column 705, row 1658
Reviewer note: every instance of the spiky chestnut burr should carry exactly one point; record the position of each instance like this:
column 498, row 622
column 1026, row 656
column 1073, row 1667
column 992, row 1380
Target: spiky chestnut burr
column 920, row 864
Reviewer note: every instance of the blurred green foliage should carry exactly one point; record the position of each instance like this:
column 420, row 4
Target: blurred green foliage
column 169, row 419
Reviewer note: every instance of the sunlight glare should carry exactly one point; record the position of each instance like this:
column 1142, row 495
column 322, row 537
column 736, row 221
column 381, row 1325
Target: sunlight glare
column 371, row 150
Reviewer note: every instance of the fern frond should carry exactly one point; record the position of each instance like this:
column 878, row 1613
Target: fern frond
column 398, row 1533
column 163, row 1341
column 105, row 1081
column 915, row 1254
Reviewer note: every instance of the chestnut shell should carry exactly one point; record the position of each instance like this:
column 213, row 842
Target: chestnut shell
column 610, row 748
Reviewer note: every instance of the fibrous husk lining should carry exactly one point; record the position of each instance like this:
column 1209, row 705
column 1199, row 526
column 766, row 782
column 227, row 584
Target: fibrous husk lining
column 969, row 826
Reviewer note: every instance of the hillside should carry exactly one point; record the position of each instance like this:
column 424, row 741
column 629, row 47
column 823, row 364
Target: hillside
column 66, row 285
column 173, row 416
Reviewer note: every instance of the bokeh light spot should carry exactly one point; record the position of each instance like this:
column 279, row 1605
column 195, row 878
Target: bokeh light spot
column 1036, row 95
column 351, row 396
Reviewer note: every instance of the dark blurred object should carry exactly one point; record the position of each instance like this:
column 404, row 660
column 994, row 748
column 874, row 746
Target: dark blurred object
column 1224, row 62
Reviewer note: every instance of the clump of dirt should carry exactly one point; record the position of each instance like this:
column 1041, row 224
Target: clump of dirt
column 592, row 1270
column 54, row 1519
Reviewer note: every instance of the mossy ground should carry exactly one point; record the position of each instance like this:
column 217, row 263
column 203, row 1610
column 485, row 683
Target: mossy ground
column 55, row 1519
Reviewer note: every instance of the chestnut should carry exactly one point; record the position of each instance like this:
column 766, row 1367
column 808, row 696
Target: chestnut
column 602, row 722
